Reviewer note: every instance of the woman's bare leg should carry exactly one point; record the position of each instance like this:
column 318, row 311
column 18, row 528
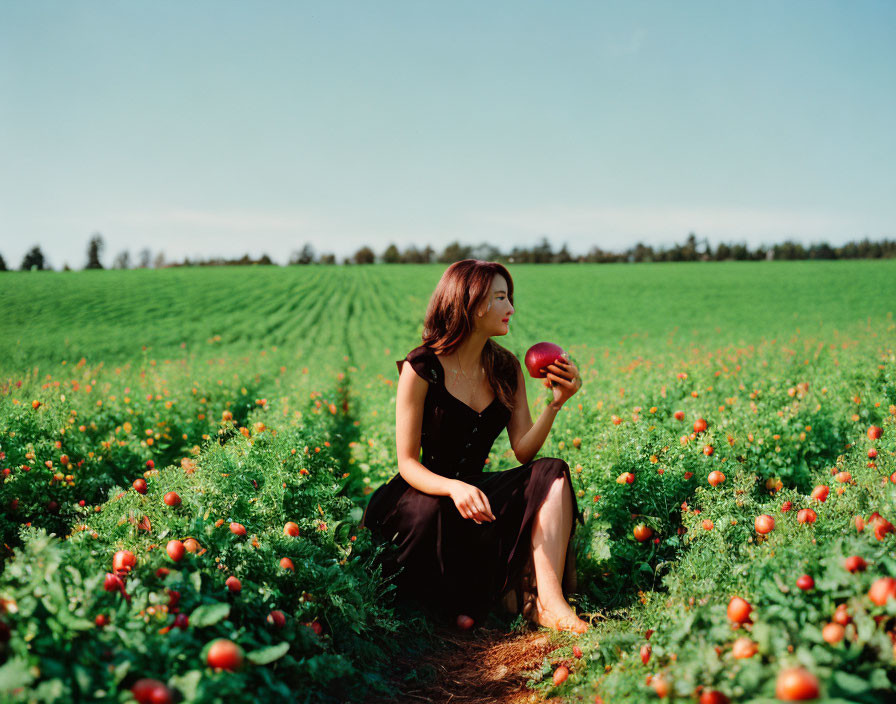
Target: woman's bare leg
column 550, row 537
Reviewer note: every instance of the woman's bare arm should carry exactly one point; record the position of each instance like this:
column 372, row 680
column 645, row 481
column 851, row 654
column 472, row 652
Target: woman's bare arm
column 526, row 438
column 408, row 428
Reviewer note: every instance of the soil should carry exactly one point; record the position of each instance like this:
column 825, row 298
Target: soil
column 482, row 666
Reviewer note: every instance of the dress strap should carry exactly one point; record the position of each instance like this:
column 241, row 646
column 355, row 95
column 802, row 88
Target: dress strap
column 424, row 361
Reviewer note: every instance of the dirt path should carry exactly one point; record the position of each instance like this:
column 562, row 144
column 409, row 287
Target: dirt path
column 486, row 666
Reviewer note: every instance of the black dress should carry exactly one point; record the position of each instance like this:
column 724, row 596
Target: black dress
column 450, row 564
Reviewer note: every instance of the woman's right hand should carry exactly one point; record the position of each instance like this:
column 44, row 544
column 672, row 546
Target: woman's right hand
column 471, row 502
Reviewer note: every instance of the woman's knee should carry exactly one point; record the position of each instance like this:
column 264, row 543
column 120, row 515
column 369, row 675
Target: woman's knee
column 553, row 467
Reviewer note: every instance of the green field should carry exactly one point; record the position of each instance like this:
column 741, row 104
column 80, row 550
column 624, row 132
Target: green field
column 266, row 395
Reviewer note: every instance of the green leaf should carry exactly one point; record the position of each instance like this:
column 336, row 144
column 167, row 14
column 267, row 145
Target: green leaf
column 879, row 679
column 846, row 683
column 14, row 674
column 209, row 614
column 196, row 581
column 187, row 684
column 82, row 677
column 263, row 656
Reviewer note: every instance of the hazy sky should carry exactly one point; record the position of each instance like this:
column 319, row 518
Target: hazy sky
column 204, row 128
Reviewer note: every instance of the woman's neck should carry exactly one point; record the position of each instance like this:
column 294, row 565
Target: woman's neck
column 469, row 353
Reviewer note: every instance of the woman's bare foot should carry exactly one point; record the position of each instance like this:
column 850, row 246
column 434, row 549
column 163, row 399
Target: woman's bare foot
column 560, row 617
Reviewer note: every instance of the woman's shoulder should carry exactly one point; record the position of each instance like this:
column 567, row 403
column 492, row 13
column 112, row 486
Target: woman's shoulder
column 425, row 362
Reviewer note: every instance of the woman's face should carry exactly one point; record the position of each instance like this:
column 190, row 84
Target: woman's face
column 494, row 316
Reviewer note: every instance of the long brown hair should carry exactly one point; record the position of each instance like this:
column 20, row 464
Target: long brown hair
column 464, row 287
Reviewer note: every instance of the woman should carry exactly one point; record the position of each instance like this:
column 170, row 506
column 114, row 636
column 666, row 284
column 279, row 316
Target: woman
column 465, row 539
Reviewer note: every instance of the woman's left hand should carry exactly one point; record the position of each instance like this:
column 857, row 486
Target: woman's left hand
column 566, row 376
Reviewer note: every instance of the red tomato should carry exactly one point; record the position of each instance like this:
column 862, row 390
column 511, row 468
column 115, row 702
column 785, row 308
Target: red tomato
column 101, row 620
column 577, row 651
column 843, row 477
column 291, row 529
column 707, row 524
column 679, row 415
column 821, row 492
column 181, row 621
column 123, row 561
column 191, row 545
column 233, row 584
column 883, row 589
column 744, row 648
column 786, row 506
column 176, row 550
column 642, row 532
column 139, row 486
column 713, row 696
column 796, row 684
column 224, row 654
column 872, row 453
column 764, row 524
column 646, row 650
column 739, row 610
column 113, row 583
column 286, row 564
column 148, row 691
column 806, row 515
column 708, row 450
column 276, row 618
column 854, row 563
column 625, row 478
column 541, row 355
column 171, row 499
column 661, row 686
column 237, row 529
column 874, row 432
column 560, row 675
column 805, row 582
column 833, row 633
column 841, row 615
column 715, row 477
column 700, row 425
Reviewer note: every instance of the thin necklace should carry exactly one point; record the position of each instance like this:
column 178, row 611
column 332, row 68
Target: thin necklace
column 475, row 388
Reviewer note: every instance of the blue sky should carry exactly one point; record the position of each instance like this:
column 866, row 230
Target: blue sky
column 204, row 128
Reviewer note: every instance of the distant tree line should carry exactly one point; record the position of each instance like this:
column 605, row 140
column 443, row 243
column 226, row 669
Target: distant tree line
column 691, row 250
